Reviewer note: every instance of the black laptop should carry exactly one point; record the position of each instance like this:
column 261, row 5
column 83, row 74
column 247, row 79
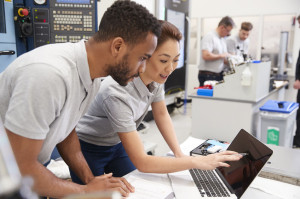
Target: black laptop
column 231, row 182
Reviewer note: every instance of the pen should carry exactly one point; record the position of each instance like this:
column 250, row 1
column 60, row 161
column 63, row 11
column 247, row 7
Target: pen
column 243, row 154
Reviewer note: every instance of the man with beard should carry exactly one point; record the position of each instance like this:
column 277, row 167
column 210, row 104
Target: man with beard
column 45, row 92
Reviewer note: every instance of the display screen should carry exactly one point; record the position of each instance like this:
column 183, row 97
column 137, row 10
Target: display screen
column 178, row 19
column 74, row 1
column 240, row 174
column 2, row 17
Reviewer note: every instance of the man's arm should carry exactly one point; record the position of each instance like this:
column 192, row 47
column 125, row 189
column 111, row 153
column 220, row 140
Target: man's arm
column 209, row 56
column 297, row 74
column 165, row 126
column 70, row 151
column 45, row 183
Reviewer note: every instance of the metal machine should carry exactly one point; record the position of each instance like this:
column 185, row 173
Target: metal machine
column 28, row 24
column 250, row 82
column 177, row 12
column 56, row 21
column 7, row 34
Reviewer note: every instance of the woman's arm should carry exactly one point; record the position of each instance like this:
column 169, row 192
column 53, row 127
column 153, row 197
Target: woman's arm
column 165, row 126
column 154, row 164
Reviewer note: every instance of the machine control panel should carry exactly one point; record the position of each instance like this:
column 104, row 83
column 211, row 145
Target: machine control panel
column 41, row 26
column 41, row 22
column 72, row 20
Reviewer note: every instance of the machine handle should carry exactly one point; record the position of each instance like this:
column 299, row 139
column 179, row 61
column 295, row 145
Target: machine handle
column 7, row 52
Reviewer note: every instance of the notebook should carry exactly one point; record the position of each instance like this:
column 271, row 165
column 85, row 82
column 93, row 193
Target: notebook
column 224, row 182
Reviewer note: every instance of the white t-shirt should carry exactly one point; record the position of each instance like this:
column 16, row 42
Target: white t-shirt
column 45, row 92
column 215, row 44
column 117, row 109
column 237, row 46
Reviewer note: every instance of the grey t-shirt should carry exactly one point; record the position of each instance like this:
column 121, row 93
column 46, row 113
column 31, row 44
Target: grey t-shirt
column 117, row 109
column 45, row 92
column 215, row 44
column 237, row 46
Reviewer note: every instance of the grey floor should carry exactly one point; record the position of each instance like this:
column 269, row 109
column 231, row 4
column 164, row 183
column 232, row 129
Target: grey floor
column 182, row 122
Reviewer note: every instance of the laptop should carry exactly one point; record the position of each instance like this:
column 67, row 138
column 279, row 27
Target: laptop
column 224, row 182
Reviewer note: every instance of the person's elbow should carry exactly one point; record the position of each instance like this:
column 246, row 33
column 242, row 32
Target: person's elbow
column 206, row 55
column 141, row 164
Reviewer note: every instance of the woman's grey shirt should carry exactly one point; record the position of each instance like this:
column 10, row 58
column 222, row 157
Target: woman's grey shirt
column 117, row 109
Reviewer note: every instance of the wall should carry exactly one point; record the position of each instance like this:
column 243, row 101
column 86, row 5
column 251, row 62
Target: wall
column 215, row 8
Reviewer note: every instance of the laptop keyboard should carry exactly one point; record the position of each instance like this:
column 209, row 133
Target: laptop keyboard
column 208, row 183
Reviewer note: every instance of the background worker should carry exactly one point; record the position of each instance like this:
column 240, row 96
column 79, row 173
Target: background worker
column 214, row 52
column 239, row 44
column 108, row 131
column 296, row 141
column 45, row 92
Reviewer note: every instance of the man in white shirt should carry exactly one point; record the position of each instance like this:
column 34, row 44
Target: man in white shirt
column 214, row 52
column 45, row 92
column 239, row 44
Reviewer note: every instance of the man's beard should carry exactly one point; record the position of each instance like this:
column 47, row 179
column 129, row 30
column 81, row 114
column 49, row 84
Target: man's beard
column 121, row 72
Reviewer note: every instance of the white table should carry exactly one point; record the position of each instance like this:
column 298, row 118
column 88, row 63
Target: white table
column 149, row 186
column 261, row 188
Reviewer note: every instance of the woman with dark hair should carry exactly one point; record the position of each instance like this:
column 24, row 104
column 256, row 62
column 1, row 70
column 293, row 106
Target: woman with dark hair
column 108, row 132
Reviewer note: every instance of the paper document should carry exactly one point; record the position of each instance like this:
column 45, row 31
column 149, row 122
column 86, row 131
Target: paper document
column 59, row 168
column 149, row 186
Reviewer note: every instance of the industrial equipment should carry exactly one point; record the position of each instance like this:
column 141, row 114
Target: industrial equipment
column 7, row 34
column 28, row 24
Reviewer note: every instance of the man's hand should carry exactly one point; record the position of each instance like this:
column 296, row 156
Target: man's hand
column 297, row 84
column 225, row 55
column 107, row 182
column 209, row 56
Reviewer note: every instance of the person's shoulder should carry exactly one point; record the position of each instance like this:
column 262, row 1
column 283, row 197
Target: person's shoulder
column 247, row 41
column 109, row 87
column 230, row 38
column 56, row 55
column 209, row 35
column 208, row 38
column 158, row 86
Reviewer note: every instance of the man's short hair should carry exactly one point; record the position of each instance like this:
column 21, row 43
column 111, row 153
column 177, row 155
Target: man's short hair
column 226, row 21
column 128, row 20
column 247, row 26
column 298, row 18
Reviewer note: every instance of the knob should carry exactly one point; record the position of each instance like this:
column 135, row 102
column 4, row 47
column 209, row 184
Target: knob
column 23, row 12
column 26, row 29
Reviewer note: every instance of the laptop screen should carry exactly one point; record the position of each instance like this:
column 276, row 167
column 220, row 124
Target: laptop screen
column 240, row 174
